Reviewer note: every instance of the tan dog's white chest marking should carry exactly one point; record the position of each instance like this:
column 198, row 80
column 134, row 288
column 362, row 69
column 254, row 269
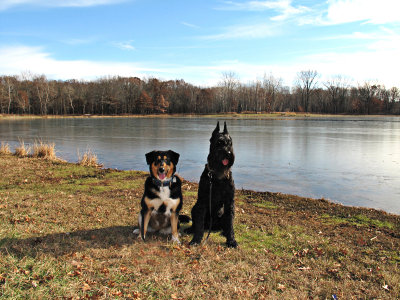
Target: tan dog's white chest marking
column 163, row 198
column 170, row 212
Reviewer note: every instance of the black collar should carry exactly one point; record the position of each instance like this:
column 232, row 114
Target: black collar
column 212, row 174
column 160, row 183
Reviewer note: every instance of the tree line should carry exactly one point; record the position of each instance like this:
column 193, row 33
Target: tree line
column 35, row 94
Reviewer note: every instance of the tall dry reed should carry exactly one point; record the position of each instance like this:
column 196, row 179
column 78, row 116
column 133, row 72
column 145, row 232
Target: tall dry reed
column 46, row 151
column 22, row 150
column 5, row 149
column 89, row 159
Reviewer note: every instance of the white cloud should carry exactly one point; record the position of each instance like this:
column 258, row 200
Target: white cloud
column 284, row 8
column 190, row 25
column 371, row 11
column 125, row 45
column 245, row 32
column 14, row 60
column 378, row 62
column 6, row 4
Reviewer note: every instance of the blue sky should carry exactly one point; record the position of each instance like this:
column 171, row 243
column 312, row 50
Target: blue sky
column 199, row 40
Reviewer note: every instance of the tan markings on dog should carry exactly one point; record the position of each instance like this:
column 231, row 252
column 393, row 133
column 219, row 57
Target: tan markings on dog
column 146, row 222
column 174, row 225
column 172, row 204
column 154, row 169
column 153, row 203
column 170, row 169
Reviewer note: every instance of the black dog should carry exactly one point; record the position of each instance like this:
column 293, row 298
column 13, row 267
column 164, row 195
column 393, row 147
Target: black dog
column 216, row 189
column 162, row 198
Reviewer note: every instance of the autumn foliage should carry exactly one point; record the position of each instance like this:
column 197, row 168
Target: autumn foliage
column 118, row 95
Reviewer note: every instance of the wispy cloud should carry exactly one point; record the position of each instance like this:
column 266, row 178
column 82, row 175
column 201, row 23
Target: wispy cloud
column 244, row 32
column 78, row 41
column 283, row 8
column 277, row 14
column 125, row 45
column 190, row 25
column 6, row 4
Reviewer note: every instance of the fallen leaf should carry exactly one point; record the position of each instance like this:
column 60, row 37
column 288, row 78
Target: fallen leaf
column 281, row 287
column 116, row 293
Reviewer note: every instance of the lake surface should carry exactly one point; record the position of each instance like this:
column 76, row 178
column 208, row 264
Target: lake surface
column 349, row 160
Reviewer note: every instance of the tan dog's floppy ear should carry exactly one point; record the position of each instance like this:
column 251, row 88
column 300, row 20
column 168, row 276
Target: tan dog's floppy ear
column 150, row 157
column 174, row 157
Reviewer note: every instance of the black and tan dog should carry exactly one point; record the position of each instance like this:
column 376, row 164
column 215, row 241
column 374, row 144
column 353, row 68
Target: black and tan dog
column 215, row 206
column 162, row 198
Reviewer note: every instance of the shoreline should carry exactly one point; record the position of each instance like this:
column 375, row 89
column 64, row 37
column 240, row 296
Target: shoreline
column 38, row 149
column 316, row 202
column 243, row 116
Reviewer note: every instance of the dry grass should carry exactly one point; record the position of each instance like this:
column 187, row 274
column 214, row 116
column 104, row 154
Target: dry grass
column 46, row 151
column 22, row 150
column 89, row 159
column 66, row 232
column 5, row 149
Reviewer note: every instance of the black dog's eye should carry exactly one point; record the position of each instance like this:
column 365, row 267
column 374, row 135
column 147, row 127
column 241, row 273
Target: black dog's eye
column 221, row 143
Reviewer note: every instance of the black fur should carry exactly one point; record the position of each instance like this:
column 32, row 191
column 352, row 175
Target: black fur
column 217, row 180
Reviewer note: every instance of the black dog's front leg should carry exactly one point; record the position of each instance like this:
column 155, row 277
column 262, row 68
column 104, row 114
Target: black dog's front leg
column 229, row 215
column 198, row 216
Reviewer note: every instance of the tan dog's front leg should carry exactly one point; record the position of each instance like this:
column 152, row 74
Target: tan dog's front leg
column 145, row 223
column 174, row 227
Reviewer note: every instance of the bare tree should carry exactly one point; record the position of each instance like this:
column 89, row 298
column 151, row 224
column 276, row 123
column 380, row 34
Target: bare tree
column 229, row 84
column 337, row 88
column 307, row 81
column 366, row 94
column 9, row 83
column 271, row 86
column 42, row 92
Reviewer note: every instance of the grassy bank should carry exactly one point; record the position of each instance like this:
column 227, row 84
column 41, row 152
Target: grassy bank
column 66, row 232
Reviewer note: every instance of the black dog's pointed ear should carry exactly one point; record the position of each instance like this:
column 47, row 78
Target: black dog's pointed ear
column 216, row 130
column 150, row 157
column 225, row 129
column 174, row 156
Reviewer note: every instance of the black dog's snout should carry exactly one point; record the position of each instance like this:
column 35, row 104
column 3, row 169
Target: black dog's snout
column 161, row 170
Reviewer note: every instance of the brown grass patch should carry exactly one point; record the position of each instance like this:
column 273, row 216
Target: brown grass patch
column 46, row 151
column 5, row 149
column 89, row 159
column 22, row 150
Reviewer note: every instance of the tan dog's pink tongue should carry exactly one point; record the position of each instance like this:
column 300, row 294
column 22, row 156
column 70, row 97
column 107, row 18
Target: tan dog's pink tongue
column 161, row 176
column 225, row 162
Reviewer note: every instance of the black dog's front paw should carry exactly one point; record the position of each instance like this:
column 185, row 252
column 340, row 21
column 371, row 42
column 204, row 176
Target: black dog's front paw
column 189, row 230
column 195, row 242
column 231, row 244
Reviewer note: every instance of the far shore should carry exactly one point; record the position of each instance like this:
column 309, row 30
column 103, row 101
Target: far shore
column 244, row 116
